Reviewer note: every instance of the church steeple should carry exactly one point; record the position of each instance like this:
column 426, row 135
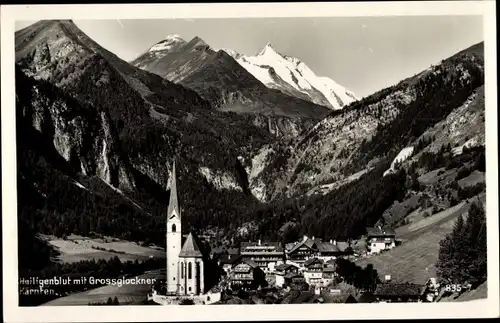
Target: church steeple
column 173, row 204
column 174, row 236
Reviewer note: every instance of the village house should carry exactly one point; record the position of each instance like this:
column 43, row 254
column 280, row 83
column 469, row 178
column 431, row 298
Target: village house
column 294, row 279
column 329, row 274
column 310, row 247
column 318, row 273
column 302, row 250
column 378, row 239
column 246, row 274
column 313, row 271
column 400, row 293
column 432, row 289
column 227, row 260
column 333, row 250
column 265, row 254
column 281, row 271
column 327, row 250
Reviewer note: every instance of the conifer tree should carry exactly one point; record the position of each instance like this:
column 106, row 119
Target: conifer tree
column 462, row 253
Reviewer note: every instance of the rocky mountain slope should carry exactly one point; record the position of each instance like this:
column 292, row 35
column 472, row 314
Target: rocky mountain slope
column 104, row 123
column 292, row 76
column 350, row 142
column 408, row 152
column 174, row 58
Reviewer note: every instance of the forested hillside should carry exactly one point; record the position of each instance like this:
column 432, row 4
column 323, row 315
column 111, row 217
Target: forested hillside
column 368, row 131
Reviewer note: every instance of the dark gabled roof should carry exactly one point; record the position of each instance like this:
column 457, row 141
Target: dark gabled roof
column 173, row 204
column 327, row 247
column 218, row 250
column 229, row 259
column 377, row 232
column 284, row 266
column 249, row 262
column 405, row 289
column 311, row 261
column 310, row 243
column 349, row 299
column 192, row 247
column 344, row 246
column 224, row 250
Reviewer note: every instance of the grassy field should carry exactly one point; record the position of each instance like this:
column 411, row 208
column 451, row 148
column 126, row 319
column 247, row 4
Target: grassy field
column 414, row 260
column 75, row 248
column 474, row 178
column 438, row 175
column 418, row 214
column 126, row 294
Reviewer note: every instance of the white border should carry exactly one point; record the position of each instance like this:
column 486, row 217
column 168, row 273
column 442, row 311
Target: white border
column 13, row 313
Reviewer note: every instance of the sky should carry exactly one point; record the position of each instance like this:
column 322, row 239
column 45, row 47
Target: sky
column 363, row 54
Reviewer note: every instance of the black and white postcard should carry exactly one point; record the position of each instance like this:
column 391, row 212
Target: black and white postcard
column 302, row 155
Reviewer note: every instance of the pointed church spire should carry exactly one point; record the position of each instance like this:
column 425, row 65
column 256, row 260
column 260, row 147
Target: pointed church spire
column 173, row 204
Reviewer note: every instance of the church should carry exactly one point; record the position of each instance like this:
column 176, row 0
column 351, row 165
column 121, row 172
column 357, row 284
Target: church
column 185, row 270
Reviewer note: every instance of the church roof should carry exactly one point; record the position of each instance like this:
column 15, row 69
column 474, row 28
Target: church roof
column 191, row 247
column 173, row 204
column 379, row 232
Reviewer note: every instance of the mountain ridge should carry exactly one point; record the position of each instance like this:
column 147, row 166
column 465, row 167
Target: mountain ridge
column 199, row 67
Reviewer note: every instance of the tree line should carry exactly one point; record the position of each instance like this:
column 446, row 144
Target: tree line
column 462, row 253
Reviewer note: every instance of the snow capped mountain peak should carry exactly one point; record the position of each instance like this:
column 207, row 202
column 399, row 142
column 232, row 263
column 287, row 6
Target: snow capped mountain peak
column 291, row 75
column 268, row 49
column 167, row 43
column 174, row 37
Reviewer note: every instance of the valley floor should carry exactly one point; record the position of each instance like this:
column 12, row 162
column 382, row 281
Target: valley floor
column 75, row 248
